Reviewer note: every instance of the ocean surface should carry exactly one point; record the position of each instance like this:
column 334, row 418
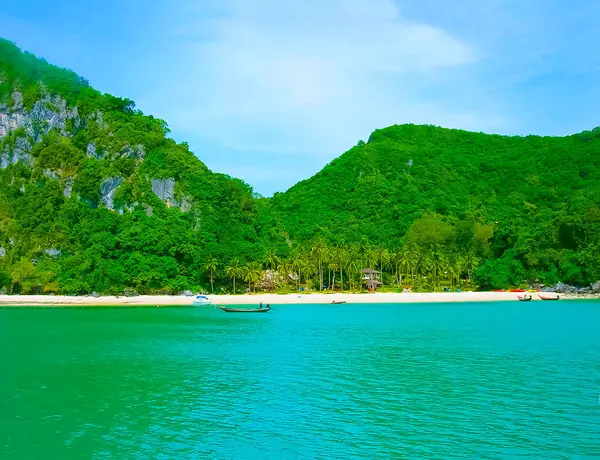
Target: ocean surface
column 493, row 380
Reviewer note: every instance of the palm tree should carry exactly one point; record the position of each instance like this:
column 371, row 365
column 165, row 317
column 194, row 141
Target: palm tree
column 400, row 260
column 297, row 264
column 309, row 269
column 251, row 274
column 455, row 268
column 285, row 267
column 339, row 258
column 332, row 267
column 342, row 256
column 438, row 263
column 211, row 266
column 471, row 261
column 319, row 252
column 383, row 256
column 353, row 268
column 234, row 270
column 272, row 259
column 412, row 256
column 370, row 258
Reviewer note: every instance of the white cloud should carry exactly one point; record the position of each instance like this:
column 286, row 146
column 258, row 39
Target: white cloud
column 309, row 77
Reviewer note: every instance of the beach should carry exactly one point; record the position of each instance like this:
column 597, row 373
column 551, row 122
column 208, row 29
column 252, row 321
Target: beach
column 255, row 299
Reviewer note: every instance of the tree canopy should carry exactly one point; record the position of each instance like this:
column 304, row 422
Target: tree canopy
column 95, row 196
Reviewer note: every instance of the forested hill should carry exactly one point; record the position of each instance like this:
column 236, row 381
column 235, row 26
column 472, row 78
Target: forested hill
column 94, row 196
column 536, row 200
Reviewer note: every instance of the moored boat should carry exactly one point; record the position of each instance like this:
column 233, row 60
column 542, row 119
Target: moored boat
column 338, row 302
column 244, row 310
column 201, row 301
column 548, row 296
column 524, row 298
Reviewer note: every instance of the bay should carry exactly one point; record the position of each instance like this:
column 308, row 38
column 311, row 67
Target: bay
column 476, row 380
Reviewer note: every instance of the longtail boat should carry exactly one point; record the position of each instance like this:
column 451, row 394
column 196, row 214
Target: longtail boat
column 524, row 298
column 548, row 296
column 243, row 310
column 338, row 302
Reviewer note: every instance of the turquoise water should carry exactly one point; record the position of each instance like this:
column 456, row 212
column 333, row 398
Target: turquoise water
column 495, row 380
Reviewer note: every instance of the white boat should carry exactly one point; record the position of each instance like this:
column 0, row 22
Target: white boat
column 201, row 301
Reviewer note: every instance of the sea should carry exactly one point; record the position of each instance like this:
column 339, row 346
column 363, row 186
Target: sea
column 489, row 380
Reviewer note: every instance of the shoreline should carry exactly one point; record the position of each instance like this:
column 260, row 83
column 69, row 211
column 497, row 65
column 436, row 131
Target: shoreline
column 7, row 301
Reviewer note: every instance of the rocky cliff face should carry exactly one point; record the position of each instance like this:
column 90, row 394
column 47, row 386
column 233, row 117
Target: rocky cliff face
column 29, row 126
column 21, row 129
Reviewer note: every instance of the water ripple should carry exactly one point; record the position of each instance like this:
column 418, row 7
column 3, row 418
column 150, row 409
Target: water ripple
column 434, row 381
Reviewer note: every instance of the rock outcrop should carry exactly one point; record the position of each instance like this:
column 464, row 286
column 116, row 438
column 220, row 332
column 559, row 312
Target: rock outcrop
column 164, row 189
column 563, row 288
column 108, row 190
column 47, row 113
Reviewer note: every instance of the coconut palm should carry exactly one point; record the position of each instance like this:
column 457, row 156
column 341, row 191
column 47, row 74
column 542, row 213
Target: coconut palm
column 471, row 262
column 353, row 269
column 272, row 259
column 412, row 257
column 370, row 258
column 234, row 270
column 251, row 274
column 319, row 252
column 332, row 267
column 286, row 267
column 211, row 266
column 383, row 257
column 310, row 269
column 437, row 263
column 342, row 259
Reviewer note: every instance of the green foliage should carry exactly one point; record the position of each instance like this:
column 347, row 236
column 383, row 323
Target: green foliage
column 428, row 207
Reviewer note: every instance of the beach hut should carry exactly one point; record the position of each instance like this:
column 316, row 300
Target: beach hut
column 371, row 279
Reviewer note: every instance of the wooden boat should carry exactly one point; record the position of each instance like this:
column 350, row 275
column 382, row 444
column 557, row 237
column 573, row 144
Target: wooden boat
column 548, row 296
column 338, row 302
column 524, row 298
column 243, row 310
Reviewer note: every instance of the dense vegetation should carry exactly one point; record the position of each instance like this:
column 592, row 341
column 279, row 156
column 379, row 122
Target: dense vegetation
column 430, row 207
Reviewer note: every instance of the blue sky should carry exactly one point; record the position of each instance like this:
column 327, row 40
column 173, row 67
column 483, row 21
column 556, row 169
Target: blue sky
column 270, row 90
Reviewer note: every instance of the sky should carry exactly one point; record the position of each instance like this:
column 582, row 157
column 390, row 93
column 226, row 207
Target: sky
column 271, row 91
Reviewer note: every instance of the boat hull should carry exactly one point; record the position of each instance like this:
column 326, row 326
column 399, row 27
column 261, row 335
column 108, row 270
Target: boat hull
column 201, row 304
column 546, row 297
column 243, row 310
column 525, row 299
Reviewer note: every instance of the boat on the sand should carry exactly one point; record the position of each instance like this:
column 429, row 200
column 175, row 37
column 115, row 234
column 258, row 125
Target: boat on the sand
column 338, row 302
column 244, row 310
column 525, row 298
column 548, row 296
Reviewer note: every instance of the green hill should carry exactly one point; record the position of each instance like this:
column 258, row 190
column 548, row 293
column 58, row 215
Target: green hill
column 529, row 204
column 95, row 196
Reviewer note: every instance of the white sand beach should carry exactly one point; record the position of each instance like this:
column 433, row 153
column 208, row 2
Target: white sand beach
column 255, row 299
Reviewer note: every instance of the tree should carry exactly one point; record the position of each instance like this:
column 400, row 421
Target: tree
column 234, row 270
column 471, row 262
column 211, row 266
column 353, row 269
column 383, row 256
column 251, row 274
column 319, row 252
column 272, row 259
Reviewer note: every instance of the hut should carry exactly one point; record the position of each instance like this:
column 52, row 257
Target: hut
column 371, row 279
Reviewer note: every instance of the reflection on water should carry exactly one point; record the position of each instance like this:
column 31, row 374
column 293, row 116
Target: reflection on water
column 373, row 381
